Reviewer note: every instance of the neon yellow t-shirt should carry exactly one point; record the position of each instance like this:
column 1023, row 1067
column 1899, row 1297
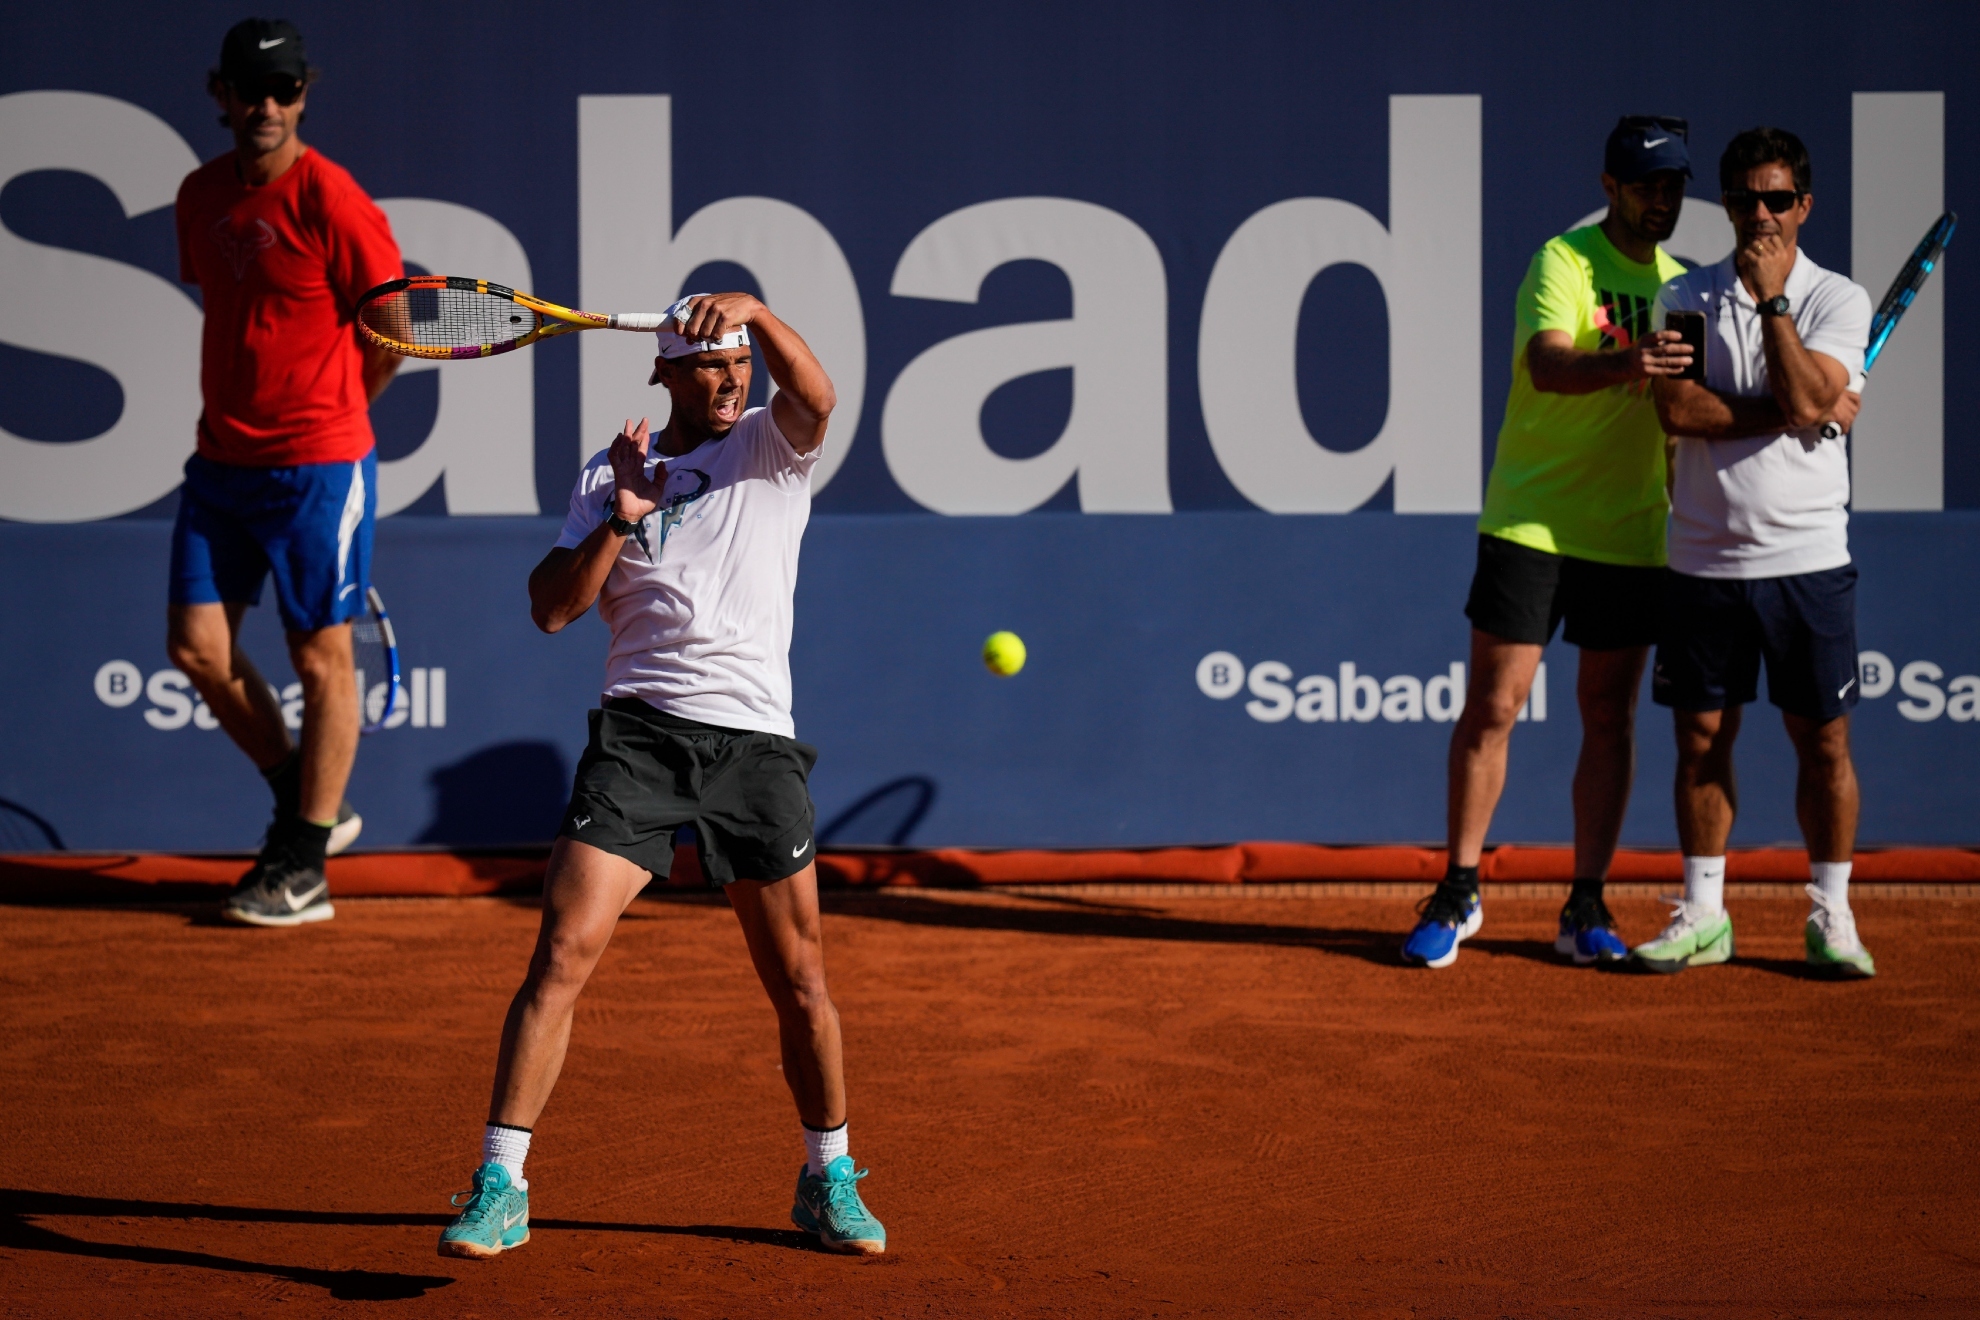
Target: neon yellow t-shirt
column 1583, row 474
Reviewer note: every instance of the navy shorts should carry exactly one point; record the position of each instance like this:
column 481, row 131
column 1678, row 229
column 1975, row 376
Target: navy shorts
column 1717, row 631
column 309, row 525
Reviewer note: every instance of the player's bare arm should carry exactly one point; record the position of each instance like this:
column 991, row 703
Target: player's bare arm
column 1806, row 384
column 567, row 581
column 1558, row 367
column 1685, row 407
column 805, row 397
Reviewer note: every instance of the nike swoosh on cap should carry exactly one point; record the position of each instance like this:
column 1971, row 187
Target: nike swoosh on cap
column 1647, row 143
column 271, row 43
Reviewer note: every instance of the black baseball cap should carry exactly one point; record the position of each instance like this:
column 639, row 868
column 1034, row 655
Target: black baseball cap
column 256, row 49
column 1641, row 145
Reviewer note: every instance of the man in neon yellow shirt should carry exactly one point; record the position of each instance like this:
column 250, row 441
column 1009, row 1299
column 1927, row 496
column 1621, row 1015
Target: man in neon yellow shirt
column 1573, row 530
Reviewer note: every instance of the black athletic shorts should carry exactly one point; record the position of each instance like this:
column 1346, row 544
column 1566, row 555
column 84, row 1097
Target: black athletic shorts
column 646, row 773
column 1522, row 594
column 1718, row 630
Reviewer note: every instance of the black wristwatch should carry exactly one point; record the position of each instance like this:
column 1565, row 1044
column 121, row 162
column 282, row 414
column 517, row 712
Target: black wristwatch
column 1775, row 306
column 620, row 525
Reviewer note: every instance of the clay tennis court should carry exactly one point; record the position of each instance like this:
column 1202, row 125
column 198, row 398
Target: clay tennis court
column 1088, row 1104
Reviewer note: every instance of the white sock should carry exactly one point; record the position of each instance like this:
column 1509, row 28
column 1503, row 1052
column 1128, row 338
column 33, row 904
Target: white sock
column 1705, row 883
column 821, row 1148
column 508, row 1147
column 1832, row 878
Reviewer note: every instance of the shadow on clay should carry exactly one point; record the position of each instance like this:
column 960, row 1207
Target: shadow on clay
column 18, row 1208
column 1070, row 915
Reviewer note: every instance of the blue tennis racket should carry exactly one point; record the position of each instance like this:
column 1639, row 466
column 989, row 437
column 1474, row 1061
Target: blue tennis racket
column 1924, row 260
column 375, row 653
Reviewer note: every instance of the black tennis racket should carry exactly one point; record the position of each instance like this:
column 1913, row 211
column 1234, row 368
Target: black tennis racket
column 1924, row 260
column 375, row 653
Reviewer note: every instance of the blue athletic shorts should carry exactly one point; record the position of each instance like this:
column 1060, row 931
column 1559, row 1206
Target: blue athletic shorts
column 310, row 524
column 1718, row 630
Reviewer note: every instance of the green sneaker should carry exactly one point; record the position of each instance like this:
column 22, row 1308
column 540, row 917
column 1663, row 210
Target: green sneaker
column 831, row 1208
column 1833, row 946
column 493, row 1219
column 1696, row 937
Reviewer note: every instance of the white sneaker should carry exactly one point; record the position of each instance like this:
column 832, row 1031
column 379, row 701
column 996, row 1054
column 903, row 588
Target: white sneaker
column 1697, row 937
column 344, row 833
column 1833, row 944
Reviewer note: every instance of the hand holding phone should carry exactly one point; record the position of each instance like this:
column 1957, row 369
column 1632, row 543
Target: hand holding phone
column 1691, row 326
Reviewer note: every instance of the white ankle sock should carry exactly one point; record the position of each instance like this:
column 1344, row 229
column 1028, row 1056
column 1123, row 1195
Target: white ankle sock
column 508, row 1147
column 1705, row 883
column 821, row 1148
column 1832, row 878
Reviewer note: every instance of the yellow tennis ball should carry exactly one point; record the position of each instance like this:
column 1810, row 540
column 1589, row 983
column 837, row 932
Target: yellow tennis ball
column 1003, row 653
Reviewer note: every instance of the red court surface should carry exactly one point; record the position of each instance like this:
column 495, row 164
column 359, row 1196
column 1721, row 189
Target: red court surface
column 1082, row 1105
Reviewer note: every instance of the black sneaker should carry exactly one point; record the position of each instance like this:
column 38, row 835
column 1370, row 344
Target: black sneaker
column 279, row 891
column 1588, row 933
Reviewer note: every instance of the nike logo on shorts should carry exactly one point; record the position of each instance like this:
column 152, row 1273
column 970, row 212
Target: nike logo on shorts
column 799, row 850
column 1843, row 691
column 297, row 902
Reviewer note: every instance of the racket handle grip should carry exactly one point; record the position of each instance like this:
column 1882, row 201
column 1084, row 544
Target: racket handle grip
column 639, row 320
column 1830, row 431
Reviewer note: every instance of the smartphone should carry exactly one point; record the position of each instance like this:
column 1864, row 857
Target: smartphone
column 1692, row 326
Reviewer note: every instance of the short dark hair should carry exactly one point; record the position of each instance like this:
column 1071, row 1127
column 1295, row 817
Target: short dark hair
column 1764, row 146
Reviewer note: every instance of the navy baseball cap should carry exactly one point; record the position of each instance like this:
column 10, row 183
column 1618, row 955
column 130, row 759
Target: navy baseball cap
column 256, row 49
column 1641, row 145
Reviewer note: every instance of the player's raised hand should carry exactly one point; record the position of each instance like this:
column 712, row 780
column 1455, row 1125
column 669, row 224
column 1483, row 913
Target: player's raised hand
column 719, row 314
column 634, row 495
column 1660, row 353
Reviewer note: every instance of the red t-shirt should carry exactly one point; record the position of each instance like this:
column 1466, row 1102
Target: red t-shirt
column 281, row 268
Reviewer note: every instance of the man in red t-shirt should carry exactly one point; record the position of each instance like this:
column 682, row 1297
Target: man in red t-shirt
column 281, row 243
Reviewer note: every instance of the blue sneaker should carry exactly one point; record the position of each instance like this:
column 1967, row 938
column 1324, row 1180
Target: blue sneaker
column 493, row 1219
column 831, row 1208
column 1588, row 934
column 1448, row 917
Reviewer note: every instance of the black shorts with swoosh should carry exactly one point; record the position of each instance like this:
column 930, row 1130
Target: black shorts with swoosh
column 646, row 774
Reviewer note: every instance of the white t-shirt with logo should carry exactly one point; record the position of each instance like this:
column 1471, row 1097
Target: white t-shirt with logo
column 702, row 629
column 1769, row 505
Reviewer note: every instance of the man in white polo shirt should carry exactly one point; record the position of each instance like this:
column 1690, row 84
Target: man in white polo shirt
column 1759, row 549
column 688, row 542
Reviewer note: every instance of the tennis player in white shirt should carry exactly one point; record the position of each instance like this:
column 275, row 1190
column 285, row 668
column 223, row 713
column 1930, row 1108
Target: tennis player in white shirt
column 1759, row 549
column 688, row 541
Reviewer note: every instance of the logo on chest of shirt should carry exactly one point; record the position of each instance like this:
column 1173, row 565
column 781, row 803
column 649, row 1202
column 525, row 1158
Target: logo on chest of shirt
column 1623, row 318
column 242, row 245
column 674, row 512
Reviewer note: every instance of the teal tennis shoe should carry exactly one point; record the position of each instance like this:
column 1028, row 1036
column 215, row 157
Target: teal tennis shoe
column 831, row 1208
column 493, row 1219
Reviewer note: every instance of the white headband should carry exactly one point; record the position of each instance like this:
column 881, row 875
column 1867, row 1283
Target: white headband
column 673, row 345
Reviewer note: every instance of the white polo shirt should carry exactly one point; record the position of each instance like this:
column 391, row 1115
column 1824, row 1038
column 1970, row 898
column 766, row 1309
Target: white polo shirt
column 1769, row 505
column 702, row 629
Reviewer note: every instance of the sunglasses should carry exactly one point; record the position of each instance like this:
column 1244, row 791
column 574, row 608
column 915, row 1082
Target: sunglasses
column 1778, row 200
column 1667, row 123
column 283, row 89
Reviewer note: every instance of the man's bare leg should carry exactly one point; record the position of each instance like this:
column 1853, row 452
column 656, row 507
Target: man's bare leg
column 203, row 642
column 786, row 944
column 323, row 662
column 1501, row 676
column 584, row 893
column 1826, row 797
column 1707, row 789
column 1606, row 687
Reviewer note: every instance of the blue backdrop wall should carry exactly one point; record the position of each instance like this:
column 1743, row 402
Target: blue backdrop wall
column 1264, row 256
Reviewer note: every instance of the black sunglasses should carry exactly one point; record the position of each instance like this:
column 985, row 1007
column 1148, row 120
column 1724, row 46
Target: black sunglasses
column 284, row 89
column 1668, row 123
column 1778, row 200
